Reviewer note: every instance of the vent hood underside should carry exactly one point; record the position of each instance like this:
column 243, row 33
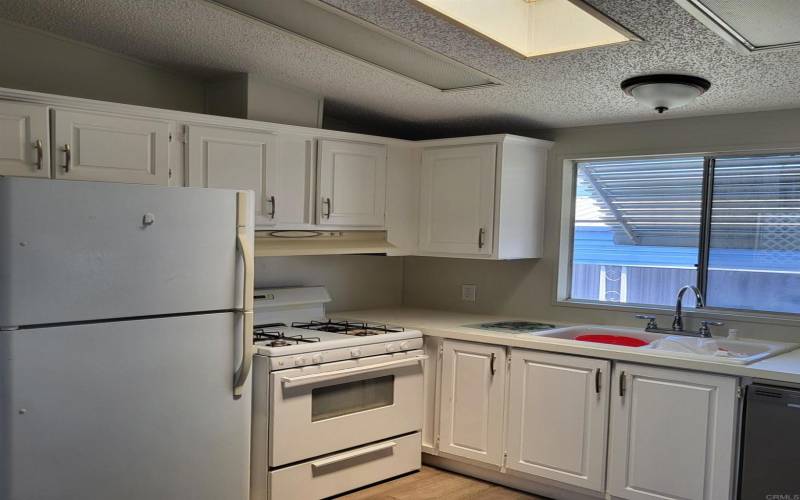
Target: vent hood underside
column 288, row 243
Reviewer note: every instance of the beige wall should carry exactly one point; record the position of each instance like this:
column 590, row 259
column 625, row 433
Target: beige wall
column 527, row 288
column 34, row 60
column 354, row 281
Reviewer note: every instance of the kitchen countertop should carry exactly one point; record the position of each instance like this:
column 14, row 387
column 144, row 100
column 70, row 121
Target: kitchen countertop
column 781, row 368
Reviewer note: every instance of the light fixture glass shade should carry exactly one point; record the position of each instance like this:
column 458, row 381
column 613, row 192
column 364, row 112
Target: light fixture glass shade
column 663, row 92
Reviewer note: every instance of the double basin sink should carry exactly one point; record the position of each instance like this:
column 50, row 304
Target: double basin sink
column 716, row 349
column 721, row 350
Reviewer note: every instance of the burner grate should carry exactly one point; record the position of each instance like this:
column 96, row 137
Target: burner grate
column 276, row 338
column 356, row 328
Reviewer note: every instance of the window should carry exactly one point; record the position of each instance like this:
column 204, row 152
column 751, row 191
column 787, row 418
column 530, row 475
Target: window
column 730, row 225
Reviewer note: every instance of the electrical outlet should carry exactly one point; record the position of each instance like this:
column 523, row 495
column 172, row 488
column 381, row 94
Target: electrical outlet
column 469, row 293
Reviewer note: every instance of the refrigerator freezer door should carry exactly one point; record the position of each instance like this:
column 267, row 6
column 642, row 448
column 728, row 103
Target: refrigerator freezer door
column 77, row 251
column 125, row 410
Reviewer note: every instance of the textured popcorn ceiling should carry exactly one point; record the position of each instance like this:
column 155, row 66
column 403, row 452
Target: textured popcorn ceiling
column 569, row 89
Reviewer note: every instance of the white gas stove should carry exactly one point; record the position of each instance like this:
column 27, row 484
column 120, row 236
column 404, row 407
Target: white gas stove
column 336, row 404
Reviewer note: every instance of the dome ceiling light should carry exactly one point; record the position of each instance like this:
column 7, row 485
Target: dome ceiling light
column 665, row 92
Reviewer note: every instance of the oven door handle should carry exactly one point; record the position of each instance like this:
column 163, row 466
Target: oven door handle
column 315, row 378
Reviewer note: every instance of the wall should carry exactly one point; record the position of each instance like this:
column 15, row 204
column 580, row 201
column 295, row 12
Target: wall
column 527, row 288
column 34, row 60
column 354, row 281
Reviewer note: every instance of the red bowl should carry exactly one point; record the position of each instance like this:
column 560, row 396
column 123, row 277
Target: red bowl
column 613, row 339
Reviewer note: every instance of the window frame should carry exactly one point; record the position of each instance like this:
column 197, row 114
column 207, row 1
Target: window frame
column 567, row 231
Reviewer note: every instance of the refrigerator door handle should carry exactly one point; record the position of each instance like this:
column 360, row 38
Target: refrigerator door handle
column 245, row 247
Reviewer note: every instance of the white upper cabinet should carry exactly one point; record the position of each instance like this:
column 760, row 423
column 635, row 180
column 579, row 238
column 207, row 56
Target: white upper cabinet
column 24, row 141
column 103, row 147
column 457, row 200
column 219, row 157
column 351, row 184
column 483, row 197
column 472, row 401
column 558, row 407
column 290, row 186
column 672, row 434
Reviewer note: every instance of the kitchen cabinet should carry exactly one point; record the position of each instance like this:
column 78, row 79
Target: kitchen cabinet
column 457, row 199
column 472, row 401
column 24, row 140
column 672, row 434
column 290, row 187
column 91, row 146
column 558, row 407
column 430, row 394
column 220, row 157
column 351, row 184
column 483, row 197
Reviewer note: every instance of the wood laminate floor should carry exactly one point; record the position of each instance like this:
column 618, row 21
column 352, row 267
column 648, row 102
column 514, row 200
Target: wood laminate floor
column 431, row 483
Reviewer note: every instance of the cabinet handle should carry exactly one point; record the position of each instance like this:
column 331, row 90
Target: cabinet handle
column 39, row 153
column 622, row 384
column 273, row 205
column 597, row 376
column 491, row 363
column 481, row 232
column 67, row 157
column 326, row 214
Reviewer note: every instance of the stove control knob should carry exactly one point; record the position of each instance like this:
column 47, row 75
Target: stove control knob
column 299, row 361
column 317, row 358
column 404, row 346
column 390, row 347
column 355, row 353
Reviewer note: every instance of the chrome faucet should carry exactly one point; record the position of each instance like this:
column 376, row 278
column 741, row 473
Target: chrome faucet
column 677, row 320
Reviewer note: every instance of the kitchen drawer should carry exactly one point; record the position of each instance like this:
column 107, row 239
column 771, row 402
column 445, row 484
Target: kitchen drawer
column 340, row 472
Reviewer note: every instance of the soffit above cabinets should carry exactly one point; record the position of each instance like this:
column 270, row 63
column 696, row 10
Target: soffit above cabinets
column 333, row 28
column 750, row 25
column 534, row 28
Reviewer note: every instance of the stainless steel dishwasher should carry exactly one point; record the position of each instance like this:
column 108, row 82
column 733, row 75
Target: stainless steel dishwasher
column 770, row 465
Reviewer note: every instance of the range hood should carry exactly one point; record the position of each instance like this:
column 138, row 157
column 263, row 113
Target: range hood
column 290, row 242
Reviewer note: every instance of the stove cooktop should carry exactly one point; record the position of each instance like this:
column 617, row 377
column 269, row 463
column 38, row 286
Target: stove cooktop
column 277, row 339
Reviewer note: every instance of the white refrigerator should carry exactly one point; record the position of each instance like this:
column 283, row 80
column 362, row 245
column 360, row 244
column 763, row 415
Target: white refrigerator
column 125, row 341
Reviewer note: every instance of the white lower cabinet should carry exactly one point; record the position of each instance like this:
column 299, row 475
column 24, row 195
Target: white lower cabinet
column 472, row 401
column 583, row 424
column 558, row 407
column 672, row 434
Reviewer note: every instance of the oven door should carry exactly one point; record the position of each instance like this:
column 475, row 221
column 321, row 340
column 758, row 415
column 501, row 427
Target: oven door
column 334, row 406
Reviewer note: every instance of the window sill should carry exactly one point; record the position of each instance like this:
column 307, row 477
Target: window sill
column 786, row 320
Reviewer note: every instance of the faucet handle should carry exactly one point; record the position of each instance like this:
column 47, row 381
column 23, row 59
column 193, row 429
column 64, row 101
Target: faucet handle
column 651, row 321
column 705, row 331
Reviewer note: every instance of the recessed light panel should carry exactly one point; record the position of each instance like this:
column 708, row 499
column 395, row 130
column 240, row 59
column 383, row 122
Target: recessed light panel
column 752, row 25
column 534, row 27
column 320, row 23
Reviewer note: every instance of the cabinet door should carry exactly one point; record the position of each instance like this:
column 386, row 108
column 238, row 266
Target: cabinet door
column 352, row 184
column 24, row 144
column 557, row 417
column 457, row 200
column 672, row 434
column 219, row 157
column 100, row 147
column 290, row 188
column 430, row 395
column 473, row 394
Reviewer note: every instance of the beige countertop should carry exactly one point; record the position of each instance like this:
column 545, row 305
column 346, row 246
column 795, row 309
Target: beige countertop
column 781, row 368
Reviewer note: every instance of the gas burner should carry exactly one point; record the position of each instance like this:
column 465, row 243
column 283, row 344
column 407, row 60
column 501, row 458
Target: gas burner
column 357, row 329
column 276, row 338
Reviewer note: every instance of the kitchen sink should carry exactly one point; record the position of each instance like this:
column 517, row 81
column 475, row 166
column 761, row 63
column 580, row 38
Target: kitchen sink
column 719, row 350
